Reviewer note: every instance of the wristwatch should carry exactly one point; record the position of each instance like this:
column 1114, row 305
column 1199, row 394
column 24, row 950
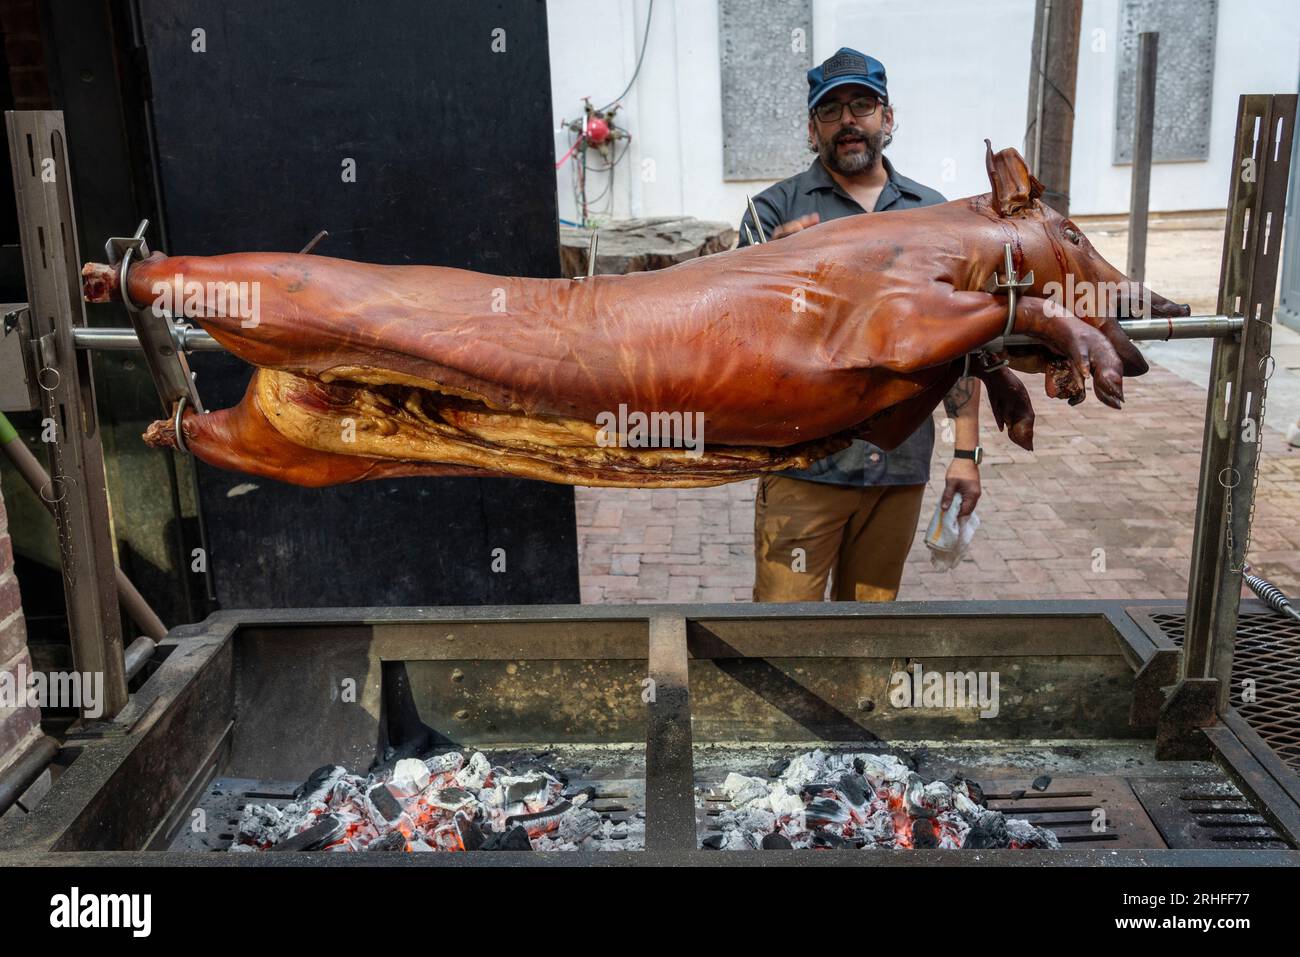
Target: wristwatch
column 976, row 454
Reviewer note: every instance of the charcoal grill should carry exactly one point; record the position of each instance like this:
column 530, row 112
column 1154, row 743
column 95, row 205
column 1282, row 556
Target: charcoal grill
column 246, row 704
column 1130, row 710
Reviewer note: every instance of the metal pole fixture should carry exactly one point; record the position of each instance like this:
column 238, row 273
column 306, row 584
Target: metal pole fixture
column 1234, row 413
column 52, row 263
column 1143, row 141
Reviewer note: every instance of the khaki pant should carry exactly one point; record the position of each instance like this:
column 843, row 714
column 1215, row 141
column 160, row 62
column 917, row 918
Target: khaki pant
column 863, row 533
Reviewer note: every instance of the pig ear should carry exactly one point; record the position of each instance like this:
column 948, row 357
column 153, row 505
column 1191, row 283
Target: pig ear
column 1014, row 188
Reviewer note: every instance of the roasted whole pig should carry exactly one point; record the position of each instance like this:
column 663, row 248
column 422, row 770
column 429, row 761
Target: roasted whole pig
column 778, row 353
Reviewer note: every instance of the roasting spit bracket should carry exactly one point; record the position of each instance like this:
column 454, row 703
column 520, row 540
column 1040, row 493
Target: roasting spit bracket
column 592, row 245
column 750, row 235
column 1011, row 284
column 166, row 360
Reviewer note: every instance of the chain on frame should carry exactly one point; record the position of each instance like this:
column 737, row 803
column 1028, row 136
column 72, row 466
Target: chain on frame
column 67, row 546
column 1254, row 482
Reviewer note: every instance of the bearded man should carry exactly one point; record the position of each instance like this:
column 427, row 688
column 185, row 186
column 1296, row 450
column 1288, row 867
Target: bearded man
column 854, row 513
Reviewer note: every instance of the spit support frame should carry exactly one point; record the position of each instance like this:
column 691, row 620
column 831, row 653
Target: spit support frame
column 1248, row 277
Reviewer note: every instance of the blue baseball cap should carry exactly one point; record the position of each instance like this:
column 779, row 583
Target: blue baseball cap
column 845, row 67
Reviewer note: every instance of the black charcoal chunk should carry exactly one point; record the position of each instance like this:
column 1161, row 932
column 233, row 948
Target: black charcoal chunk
column 713, row 842
column 385, row 805
column 325, row 831
column 854, row 789
column 392, row 841
column 824, row 811
column 776, row 842
column 777, row 767
column 515, row 839
column 318, row 780
column 471, row 836
column 538, row 816
column 923, row 835
column 989, row 832
column 1042, row 782
column 827, row 839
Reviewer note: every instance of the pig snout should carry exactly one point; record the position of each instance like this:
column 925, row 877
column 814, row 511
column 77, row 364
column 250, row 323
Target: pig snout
column 1139, row 301
column 1162, row 308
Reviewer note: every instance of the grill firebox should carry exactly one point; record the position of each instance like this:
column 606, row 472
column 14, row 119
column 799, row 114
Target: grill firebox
column 654, row 706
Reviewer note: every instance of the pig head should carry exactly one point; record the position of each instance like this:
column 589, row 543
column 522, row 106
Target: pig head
column 1068, row 272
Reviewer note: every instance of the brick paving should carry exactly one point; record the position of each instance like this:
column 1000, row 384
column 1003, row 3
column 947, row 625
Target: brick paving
column 1123, row 483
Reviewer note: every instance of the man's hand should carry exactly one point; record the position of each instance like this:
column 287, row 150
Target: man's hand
column 794, row 225
column 963, row 476
column 962, row 403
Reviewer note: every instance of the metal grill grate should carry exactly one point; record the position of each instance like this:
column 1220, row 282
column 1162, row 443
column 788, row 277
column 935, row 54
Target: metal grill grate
column 1078, row 810
column 1205, row 813
column 223, row 801
column 1267, row 653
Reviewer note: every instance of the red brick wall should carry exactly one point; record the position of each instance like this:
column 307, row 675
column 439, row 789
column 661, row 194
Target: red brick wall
column 19, row 727
column 20, row 20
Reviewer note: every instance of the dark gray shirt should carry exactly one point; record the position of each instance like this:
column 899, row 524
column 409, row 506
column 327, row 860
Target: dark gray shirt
column 815, row 191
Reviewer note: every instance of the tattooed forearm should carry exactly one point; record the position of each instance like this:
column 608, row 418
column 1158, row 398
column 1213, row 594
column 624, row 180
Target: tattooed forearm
column 959, row 396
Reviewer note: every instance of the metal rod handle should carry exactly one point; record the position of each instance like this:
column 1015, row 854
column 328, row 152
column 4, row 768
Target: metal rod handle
column 190, row 339
column 187, row 339
column 1149, row 330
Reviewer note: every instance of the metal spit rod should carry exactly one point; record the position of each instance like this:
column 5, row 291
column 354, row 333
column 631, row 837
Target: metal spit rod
column 1152, row 330
column 186, row 337
column 190, row 339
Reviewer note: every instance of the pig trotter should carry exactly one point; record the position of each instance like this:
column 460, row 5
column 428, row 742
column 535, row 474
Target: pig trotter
column 1009, row 400
column 1090, row 353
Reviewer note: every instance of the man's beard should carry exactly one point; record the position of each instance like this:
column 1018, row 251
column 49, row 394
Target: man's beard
column 850, row 164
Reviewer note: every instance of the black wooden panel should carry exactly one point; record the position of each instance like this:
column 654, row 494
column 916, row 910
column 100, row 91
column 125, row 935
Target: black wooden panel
column 452, row 143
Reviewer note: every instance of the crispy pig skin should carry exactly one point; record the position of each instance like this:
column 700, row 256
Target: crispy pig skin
column 717, row 335
column 788, row 350
column 240, row 439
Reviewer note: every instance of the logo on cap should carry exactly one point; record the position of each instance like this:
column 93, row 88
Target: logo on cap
column 842, row 64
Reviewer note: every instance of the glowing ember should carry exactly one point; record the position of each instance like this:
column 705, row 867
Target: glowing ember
column 863, row 800
column 444, row 803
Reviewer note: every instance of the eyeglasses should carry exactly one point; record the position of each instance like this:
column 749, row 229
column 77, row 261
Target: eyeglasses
column 829, row 112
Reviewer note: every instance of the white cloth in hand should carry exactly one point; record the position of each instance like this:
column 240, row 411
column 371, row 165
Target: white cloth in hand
column 949, row 537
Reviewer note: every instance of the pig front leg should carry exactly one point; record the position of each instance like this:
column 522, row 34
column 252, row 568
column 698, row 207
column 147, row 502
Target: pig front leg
column 1088, row 351
column 918, row 329
column 1009, row 400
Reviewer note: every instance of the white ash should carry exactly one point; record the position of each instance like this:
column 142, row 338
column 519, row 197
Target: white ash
column 439, row 804
column 609, row 835
column 410, row 776
column 475, row 771
column 863, row 800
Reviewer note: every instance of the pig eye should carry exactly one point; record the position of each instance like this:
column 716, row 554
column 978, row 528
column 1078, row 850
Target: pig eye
column 1073, row 235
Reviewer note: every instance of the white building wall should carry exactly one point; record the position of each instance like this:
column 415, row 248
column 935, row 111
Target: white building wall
column 1257, row 51
column 958, row 72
